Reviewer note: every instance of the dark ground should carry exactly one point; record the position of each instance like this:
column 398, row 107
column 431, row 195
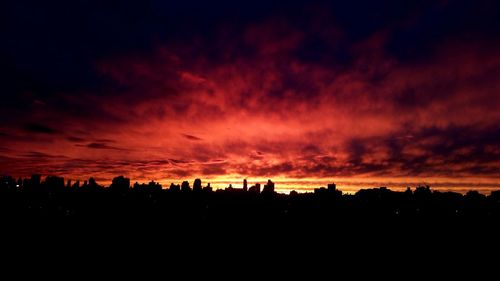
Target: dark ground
column 147, row 224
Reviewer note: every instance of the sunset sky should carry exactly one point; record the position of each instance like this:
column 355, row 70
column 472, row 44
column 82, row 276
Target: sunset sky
column 360, row 92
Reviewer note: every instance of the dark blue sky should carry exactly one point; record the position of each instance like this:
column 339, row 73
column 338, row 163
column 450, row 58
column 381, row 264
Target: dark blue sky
column 55, row 43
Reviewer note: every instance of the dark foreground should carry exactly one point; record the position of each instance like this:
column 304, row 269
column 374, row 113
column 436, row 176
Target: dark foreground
column 369, row 212
column 235, row 223
column 326, row 207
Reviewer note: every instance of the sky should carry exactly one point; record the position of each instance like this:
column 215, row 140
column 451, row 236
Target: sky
column 357, row 92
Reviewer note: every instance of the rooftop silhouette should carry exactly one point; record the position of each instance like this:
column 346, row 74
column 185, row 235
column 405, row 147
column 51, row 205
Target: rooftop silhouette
column 197, row 220
column 52, row 198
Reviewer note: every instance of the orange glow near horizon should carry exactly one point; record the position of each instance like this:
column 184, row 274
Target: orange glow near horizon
column 350, row 185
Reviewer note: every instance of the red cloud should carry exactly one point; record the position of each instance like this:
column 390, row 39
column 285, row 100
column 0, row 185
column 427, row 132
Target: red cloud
column 268, row 112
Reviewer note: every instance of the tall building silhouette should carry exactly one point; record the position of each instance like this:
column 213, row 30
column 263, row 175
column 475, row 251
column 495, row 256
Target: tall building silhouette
column 35, row 180
column 269, row 187
column 197, row 185
column 54, row 182
column 185, row 186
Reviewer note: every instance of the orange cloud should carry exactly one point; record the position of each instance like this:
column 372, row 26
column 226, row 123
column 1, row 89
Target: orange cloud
column 268, row 112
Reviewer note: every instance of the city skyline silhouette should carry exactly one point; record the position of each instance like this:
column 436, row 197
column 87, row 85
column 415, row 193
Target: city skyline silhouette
column 249, row 138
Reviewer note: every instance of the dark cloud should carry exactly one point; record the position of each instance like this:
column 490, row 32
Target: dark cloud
column 5, row 149
column 179, row 161
column 191, row 137
column 311, row 149
column 306, row 89
column 98, row 145
column 39, row 128
column 76, row 139
column 213, row 169
column 105, row 140
column 357, row 150
column 265, row 169
column 36, row 154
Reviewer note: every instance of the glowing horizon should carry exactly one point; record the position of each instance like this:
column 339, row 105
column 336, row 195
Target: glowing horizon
column 347, row 185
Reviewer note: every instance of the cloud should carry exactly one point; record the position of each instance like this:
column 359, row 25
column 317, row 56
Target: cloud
column 191, row 137
column 39, row 128
column 214, row 169
column 276, row 97
column 75, row 139
column 98, row 145
column 40, row 155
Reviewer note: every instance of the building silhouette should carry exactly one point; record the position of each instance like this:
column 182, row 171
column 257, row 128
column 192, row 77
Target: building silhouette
column 197, row 185
column 268, row 188
column 185, row 186
column 175, row 187
column 119, row 183
column 255, row 188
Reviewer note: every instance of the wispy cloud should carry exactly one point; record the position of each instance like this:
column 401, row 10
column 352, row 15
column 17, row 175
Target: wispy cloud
column 191, row 137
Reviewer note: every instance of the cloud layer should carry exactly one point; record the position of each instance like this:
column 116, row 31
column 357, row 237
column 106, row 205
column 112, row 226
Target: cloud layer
column 274, row 98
